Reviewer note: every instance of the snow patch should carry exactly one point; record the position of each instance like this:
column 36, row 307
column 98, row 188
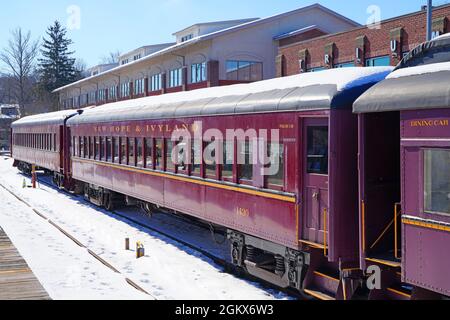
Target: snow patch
column 423, row 69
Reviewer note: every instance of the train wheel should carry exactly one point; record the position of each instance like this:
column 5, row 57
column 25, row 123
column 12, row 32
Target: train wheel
column 108, row 201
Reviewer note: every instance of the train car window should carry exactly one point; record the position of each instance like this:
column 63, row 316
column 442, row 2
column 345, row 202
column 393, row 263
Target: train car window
column 159, row 154
column 210, row 156
column 74, row 146
column 109, row 149
column 317, row 150
column 91, row 148
column 275, row 173
column 81, row 147
column 116, row 151
column 102, row 148
column 98, row 148
column 85, row 147
column 149, row 153
column 437, row 181
column 54, row 142
column 245, row 160
column 123, row 151
column 170, row 161
column 131, row 152
column 196, row 157
column 139, row 152
column 228, row 160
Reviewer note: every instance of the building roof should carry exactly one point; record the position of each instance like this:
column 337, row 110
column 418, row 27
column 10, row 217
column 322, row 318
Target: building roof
column 210, row 36
column 297, row 32
column 331, row 89
column 214, row 23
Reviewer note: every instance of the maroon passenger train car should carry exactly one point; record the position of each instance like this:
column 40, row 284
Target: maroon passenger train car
column 296, row 228
column 39, row 140
column 404, row 142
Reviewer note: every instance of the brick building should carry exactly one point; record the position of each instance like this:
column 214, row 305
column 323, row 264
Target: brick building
column 312, row 50
column 204, row 55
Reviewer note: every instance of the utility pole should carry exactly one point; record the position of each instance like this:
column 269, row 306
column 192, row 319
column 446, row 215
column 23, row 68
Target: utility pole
column 429, row 19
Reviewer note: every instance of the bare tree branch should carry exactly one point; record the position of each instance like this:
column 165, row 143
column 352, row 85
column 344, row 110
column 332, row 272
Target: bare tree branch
column 20, row 57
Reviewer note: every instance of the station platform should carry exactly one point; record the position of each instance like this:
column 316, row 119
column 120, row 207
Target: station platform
column 17, row 281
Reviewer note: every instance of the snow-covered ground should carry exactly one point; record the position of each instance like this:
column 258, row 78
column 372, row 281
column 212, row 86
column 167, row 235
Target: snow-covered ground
column 168, row 271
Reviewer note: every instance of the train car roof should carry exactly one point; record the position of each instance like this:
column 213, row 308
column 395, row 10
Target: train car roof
column 336, row 88
column 421, row 81
column 51, row 118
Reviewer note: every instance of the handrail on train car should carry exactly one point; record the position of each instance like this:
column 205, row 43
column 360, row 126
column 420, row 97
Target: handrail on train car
column 397, row 212
column 325, row 246
column 363, row 226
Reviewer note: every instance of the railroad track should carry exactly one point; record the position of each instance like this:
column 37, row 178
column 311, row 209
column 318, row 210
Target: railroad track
column 227, row 266
column 77, row 242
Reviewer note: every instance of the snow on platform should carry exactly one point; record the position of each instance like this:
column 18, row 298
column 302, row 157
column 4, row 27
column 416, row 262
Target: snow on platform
column 168, row 271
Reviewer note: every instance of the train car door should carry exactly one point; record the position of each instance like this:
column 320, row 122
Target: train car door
column 315, row 179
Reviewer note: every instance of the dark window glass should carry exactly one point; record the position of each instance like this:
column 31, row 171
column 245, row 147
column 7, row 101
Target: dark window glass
column 244, row 70
column 317, row 157
column 275, row 152
column 108, row 149
column 123, row 150
column 245, row 149
column 139, row 153
column 228, row 160
column 378, row 62
column 437, row 181
column 149, row 153
column 131, row 152
column 102, row 148
column 159, row 153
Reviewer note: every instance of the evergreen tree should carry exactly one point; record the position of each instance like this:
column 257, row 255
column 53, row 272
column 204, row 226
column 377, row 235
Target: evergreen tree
column 57, row 67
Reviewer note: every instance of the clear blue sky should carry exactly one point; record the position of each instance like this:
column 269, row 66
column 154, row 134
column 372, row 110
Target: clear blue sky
column 109, row 25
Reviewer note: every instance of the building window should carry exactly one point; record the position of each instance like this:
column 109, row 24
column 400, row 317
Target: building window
column 137, row 57
column 437, row 181
column 275, row 176
column 244, row 70
column 345, row 65
column 155, row 82
column 102, row 95
column 92, row 98
column 245, row 160
column 125, row 61
column 125, row 90
column 176, row 78
column 317, row 155
column 139, row 86
column 112, row 93
column 198, row 72
column 187, row 38
column 318, row 69
column 378, row 62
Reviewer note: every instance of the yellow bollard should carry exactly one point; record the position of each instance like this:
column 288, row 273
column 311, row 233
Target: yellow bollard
column 24, row 184
column 140, row 250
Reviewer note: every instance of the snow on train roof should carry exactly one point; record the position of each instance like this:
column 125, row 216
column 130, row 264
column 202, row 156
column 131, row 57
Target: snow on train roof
column 321, row 90
column 421, row 87
column 57, row 117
